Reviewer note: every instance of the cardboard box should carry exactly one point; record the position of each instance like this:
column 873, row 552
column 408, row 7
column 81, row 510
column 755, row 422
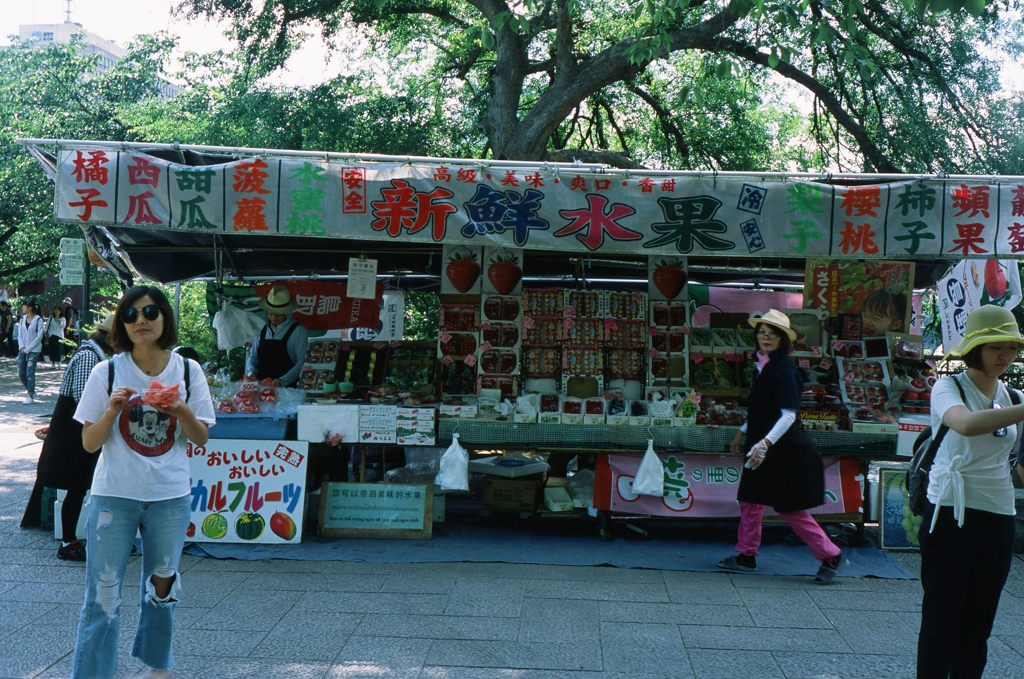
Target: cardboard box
column 593, row 419
column 314, row 421
column 378, row 411
column 911, row 427
column 819, row 419
column 876, row 428
column 418, row 426
column 378, row 436
column 639, row 421
column 377, row 424
column 521, row 418
column 457, row 411
column 517, row 494
column 557, row 499
column 550, row 418
column 661, row 421
column 416, row 439
column 616, row 419
column 496, row 465
column 425, row 413
column 684, row 421
column 572, row 419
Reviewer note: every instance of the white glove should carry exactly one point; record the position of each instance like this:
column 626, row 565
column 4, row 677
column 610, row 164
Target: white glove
column 756, row 455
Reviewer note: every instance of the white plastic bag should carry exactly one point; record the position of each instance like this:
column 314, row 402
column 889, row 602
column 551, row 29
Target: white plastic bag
column 234, row 326
column 650, row 477
column 454, row 474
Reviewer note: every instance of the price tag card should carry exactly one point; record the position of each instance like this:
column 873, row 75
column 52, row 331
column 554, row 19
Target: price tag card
column 837, row 345
column 377, row 345
column 684, row 330
column 610, row 324
column 568, row 323
column 652, row 331
column 569, row 310
column 698, row 359
column 486, row 346
column 695, row 397
column 447, row 360
column 396, row 343
column 445, row 337
column 638, row 297
column 652, row 352
column 528, row 322
column 825, row 364
column 816, row 351
column 362, row 278
column 470, row 360
column 848, row 377
column 805, row 363
column 345, row 347
column 485, row 326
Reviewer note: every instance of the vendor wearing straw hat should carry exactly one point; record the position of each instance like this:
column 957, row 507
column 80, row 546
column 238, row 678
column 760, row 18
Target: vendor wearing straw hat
column 280, row 347
column 967, row 531
column 783, row 470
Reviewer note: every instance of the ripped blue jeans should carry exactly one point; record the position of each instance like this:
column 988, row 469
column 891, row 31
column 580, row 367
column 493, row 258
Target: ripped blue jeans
column 111, row 529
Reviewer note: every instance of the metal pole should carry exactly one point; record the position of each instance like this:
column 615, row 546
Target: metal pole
column 177, row 303
column 87, row 294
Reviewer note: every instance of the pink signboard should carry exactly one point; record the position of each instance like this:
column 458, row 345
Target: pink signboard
column 705, row 486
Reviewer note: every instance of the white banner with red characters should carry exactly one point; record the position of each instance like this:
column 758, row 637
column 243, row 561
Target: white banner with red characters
column 973, row 284
column 324, row 305
column 545, row 207
column 247, row 491
column 705, row 486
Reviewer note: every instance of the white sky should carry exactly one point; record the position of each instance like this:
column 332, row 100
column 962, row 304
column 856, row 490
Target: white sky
column 120, row 20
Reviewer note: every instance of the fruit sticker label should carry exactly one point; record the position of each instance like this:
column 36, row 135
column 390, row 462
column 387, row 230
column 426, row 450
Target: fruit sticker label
column 247, row 491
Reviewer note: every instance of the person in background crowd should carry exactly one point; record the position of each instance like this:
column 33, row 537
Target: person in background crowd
column 54, row 334
column 6, row 327
column 64, row 463
column 280, row 347
column 72, row 322
column 784, row 470
column 30, row 344
column 968, row 548
column 142, row 482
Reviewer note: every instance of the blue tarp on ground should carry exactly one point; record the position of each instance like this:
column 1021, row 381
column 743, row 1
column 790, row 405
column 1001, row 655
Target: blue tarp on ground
column 570, row 544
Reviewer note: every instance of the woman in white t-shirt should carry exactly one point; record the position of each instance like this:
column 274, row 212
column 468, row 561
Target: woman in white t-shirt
column 54, row 334
column 967, row 544
column 141, row 482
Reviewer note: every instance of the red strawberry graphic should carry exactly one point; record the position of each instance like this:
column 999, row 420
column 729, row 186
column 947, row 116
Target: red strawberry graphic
column 669, row 277
column 463, row 271
column 504, row 273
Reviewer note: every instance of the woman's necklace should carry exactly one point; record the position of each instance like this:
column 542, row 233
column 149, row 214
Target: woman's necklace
column 153, row 368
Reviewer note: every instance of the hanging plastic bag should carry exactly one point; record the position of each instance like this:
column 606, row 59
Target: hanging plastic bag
column 454, row 474
column 234, row 326
column 650, row 477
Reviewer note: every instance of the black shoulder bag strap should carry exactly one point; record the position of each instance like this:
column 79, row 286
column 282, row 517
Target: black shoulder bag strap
column 933, row 449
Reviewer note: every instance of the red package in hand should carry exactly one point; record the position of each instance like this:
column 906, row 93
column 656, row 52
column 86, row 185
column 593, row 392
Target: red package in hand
column 159, row 395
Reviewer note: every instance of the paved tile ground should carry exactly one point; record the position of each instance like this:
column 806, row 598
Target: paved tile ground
column 334, row 620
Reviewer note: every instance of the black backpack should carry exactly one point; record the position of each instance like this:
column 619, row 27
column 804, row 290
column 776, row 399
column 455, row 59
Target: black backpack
column 925, row 448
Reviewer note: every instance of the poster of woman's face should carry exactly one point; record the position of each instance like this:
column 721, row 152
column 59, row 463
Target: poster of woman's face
column 879, row 292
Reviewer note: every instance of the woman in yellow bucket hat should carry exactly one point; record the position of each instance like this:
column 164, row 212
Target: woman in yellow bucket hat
column 968, row 548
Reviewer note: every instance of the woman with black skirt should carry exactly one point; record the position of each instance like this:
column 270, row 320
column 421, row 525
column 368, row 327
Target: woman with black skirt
column 784, row 470
column 64, row 463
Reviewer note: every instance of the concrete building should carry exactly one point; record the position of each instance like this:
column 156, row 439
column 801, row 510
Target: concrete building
column 110, row 53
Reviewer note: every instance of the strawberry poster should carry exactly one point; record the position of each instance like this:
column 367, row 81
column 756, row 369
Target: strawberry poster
column 503, row 271
column 667, row 278
column 880, row 293
column 247, row 491
column 461, row 273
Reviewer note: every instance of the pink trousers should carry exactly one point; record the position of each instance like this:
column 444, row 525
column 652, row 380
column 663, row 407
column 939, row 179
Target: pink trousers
column 802, row 523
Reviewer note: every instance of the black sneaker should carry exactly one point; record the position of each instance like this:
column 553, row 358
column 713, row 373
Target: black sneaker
column 829, row 569
column 74, row 551
column 741, row 563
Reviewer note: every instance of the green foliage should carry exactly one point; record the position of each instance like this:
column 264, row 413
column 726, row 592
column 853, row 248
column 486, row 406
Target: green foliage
column 422, row 315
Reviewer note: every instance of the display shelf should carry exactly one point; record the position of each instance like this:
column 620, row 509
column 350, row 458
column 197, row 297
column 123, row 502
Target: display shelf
column 696, row 439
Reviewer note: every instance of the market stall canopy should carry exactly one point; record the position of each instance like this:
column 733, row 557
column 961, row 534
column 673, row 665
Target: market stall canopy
column 171, row 208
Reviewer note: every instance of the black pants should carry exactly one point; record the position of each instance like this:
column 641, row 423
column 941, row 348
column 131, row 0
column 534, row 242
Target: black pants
column 70, row 511
column 54, row 341
column 963, row 571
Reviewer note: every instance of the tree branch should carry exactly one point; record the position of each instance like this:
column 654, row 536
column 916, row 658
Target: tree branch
column 868, row 148
column 11, row 230
column 590, row 156
column 14, row 271
column 668, row 125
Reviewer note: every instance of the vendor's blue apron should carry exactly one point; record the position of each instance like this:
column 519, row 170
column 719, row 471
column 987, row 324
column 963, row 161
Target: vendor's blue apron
column 272, row 358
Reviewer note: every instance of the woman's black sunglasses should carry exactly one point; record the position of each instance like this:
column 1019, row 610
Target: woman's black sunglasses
column 130, row 314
